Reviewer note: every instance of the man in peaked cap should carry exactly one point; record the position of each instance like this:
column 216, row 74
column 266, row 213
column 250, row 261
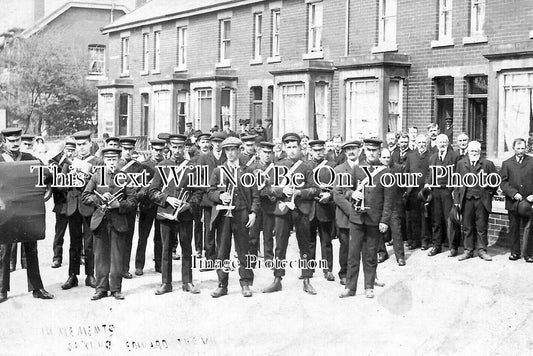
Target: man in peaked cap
column 27, row 143
column 79, row 214
column 297, row 215
column 148, row 213
column 109, row 223
column 245, row 201
column 12, row 153
column 248, row 155
column 128, row 165
column 112, row 142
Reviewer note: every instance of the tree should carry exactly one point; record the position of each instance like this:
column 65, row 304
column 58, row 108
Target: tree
column 44, row 86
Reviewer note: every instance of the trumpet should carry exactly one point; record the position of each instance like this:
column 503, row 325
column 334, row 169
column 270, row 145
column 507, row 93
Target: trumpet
column 183, row 197
column 230, row 189
column 359, row 205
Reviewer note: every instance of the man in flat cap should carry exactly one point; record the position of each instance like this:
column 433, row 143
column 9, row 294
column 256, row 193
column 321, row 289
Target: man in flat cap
column 12, row 153
column 148, row 212
column 351, row 150
column 248, row 156
column 322, row 213
column 127, row 164
column 265, row 219
column 302, row 197
column 109, row 224
column 211, row 233
column 370, row 210
column 79, row 213
column 174, row 212
column 237, row 221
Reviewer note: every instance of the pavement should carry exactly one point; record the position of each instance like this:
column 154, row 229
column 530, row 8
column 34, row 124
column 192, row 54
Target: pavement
column 433, row 306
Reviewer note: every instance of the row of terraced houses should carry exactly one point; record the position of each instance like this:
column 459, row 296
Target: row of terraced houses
column 322, row 67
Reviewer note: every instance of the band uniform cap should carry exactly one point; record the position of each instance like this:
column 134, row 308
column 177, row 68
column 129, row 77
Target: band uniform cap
column 164, row 136
column 218, row 136
column 188, row 123
column 82, row 135
column 265, row 145
column 203, row 136
column 70, row 143
column 12, row 131
column 319, row 144
column 372, row 142
column 111, row 152
column 128, row 142
column 27, row 137
column 524, row 208
column 355, row 143
column 247, row 138
column 291, row 136
column 112, row 138
column 177, row 138
column 231, row 142
column 158, row 143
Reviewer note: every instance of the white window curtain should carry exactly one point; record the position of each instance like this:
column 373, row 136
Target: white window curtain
column 293, row 109
column 321, row 110
column 362, row 108
column 162, row 110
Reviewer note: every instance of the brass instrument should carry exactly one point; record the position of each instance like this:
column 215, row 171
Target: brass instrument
column 183, row 197
column 230, row 189
column 106, row 204
column 288, row 204
column 359, row 205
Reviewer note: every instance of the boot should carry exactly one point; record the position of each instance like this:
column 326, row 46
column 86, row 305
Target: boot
column 246, row 292
column 90, row 281
column 274, row 287
column 72, row 281
column 308, row 288
column 165, row 288
column 219, row 292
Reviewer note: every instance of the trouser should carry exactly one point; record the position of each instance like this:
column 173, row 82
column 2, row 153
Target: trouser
column 128, row 241
column 418, row 226
column 236, row 227
column 363, row 246
column 109, row 247
column 283, row 229
column 323, row 228
column 475, row 222
column 395, row 233
column 198, row 229
column 32, row 271
column 264, row 222
column 81, row 237
column 441, row 205
column 169, row 232
column 14, row 250
column 344, row 239
column 211, row 244
column 60, row 229
column 514, row 233
column 146, row 220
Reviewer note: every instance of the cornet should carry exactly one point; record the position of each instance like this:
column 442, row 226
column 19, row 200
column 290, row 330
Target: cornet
column 359, row 205
column 230, row 189
column 288, row 204
column 183, row 197
column 107, row 203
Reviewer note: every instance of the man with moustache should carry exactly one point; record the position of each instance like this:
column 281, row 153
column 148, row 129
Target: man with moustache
column 391, row 141
column 110, row 225
column 413, row 133
column 342, row 217
column 170, row 200
column 337, row 155
column 442, row 201
column 248, row 156
column 398, row 157
column 433, row 132
column 148, row 212
column 517, row 186
column 369, row 218
column 475, row 202
column 245, row 202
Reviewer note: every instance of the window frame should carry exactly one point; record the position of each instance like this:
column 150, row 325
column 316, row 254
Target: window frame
column 275, row 16
column 382, row 44
column 181, row 56
column 445, row 16
column 224, row 43
column 315, row 26
column 146, row 53
column 125, row 56
column 157, row 52
column 92, row 55
column 257, row 46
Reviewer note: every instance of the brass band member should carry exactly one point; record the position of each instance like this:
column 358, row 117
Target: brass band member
column 298, row 216
column 368, row 222
column 79, row 214
column 110, row 225
column 13, row 153
column 242, row 205
column 176, row 217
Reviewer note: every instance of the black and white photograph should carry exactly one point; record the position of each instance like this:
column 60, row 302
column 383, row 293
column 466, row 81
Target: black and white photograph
column 266, row 177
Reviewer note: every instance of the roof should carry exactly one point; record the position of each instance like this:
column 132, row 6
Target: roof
column 157, row 11
column 42, row 23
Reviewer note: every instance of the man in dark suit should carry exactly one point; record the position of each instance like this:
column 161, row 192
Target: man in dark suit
column 323, row 210
column 475, row 202
column 174, row 213
column 109, row 224
column 148, row 212
column 279, row 153
column 369, row 218
column 248, row 156
column 12, row 153
column 517, row 186
column 337, row 155
column 462, row 143
column 442, row 201
column 79, row 213
column 265, row 216
column 227, row 130
column 418, row 226
column 398, row 157
column 60, row 204
column 433, row 132
column 296, row 215
column 342, row 217
column 237, row 222
column 189, row 131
